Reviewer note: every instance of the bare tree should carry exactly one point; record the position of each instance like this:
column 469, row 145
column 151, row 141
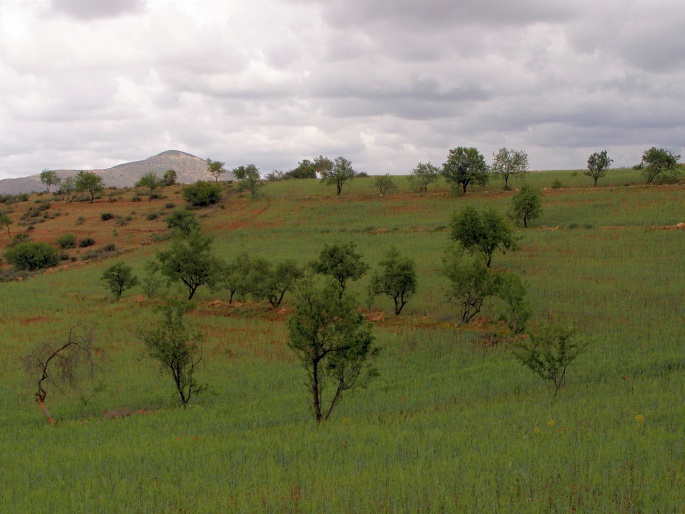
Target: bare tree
column 73, row 359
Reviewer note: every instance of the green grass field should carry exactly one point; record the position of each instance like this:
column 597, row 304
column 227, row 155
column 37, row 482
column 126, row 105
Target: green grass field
column 449, row 426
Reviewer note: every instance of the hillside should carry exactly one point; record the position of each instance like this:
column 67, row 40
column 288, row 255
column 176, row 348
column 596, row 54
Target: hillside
column 188, row 167
column 453, row 422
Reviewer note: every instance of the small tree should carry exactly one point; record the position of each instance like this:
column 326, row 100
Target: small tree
column 89, row 181
column 177, row 348
column 526, row 205
column 151, row 181
column 659, row 163
column 73, row 358
column 236, row 276
column 305, row 169
column 465, row 166
column 67, row 189
column 182, row 221
column 202, row 194
column 215, row 169
column 340, row 173
column 32, row 256
column 49, row 178
column 118, row 278
column 396, row 279
column 5, row 222
column 333, row 342
column 248, row 179
column 189, row 261
column 169, row 178
column 422, row 176
column 471, row 282
column 508, row 163
column 385, row 185
column 513, row 291
column 484, row 232
column 341, row 262
column 548, row 352
column 597, row 165
column 277, row 280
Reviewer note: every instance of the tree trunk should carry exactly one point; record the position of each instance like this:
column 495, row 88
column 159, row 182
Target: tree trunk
column 42, row 406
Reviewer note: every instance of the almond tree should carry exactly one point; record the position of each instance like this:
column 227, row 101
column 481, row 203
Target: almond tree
column 597, row 165
column 333, row 342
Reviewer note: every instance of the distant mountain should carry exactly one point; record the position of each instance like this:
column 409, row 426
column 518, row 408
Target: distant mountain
column 189, row 169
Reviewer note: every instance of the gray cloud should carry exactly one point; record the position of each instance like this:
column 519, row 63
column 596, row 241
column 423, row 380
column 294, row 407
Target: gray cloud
column 92, row 9
column 384, row 84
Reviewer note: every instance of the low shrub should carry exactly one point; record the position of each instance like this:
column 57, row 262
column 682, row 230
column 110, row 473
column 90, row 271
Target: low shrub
column 106, row 216
column 201, row 194
column 32, row 256
column 86, row 241
column 66, row 241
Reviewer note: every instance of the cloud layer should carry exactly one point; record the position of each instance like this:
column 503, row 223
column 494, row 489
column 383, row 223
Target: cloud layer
column 92, row 84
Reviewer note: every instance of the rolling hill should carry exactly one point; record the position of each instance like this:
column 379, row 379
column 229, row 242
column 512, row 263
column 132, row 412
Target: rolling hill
column 188, row 167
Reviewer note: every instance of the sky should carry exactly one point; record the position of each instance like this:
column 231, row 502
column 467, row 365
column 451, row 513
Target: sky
column 387, row 84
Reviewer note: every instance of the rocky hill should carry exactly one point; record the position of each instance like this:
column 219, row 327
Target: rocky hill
column 189, row 169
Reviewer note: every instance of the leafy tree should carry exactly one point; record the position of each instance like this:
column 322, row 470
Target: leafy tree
column 659, row 163
column 67, row 188
column 471, row 282
column 151, row 181
column 183, row 221
column 340, row 172
column 465, row 166
column 277, row 280
column 202, row 194
column 513, row 292
column 396, row 279
column 177, row 348
column 88, row 181
column 322, row 165
column 248, row 179
column 73, row 358
column 341, row 262
column 597, row 165
column 508, row 163
column 5, row 222
column 31, row 256
column 548, row 352
column 118, row 278
column 484, row 232
column 305, row 169
column 49, row 178
column 169, row 178
column 422, row 176
column 526, row 205
column 385, row 184
column 215, row 169
column 333, row 342
column 189, row 261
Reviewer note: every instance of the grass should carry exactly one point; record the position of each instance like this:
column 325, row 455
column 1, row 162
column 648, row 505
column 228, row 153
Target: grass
column 451, row 425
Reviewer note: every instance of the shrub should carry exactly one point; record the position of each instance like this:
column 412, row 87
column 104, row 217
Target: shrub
column 86, row 241
column 170, row 205
column 109, row 247
column 106, row 216
column 152, row 216
column 556, row 184
column 202, row 193
column 66, row 241
column 136, row 199
column 80, row 220
column 32, row 256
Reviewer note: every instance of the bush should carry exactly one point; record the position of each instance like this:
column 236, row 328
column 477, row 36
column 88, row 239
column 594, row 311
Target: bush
column 66, row 241
column 202, row 193
column 106, row 216
column 152, row 216
column 86, row 241
column 109, row 247
column 32, row 256
column 556, row 184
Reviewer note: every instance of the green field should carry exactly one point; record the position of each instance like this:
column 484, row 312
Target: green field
column 449, row 426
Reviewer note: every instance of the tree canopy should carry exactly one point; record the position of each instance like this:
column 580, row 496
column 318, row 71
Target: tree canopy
column 465, row 166
column 484, row 232
column 597, row 165
column 508, row 162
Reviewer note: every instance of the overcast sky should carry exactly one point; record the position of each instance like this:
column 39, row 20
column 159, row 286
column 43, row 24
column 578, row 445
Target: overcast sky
column 386, row 83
